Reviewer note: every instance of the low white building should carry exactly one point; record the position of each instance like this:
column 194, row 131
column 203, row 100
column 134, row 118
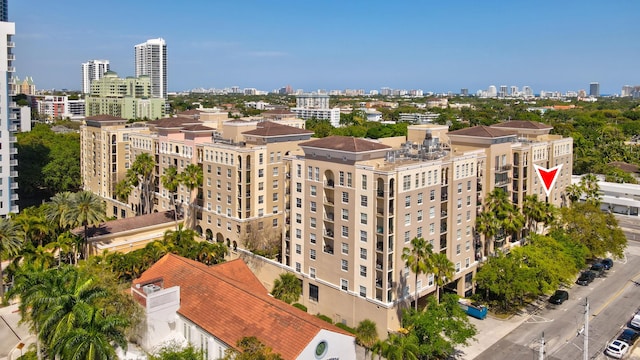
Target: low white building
column 617, row 198
column 213, row 307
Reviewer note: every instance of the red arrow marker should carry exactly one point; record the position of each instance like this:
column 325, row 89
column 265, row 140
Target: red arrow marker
column 548, row 176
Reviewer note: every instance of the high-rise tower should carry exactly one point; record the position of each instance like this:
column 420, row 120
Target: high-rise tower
column 9, row 117
column 594, row 89
column 93, row 70
column 151, row 60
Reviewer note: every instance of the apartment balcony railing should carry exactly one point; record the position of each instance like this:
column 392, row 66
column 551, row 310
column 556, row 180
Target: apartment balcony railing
column 503, row 168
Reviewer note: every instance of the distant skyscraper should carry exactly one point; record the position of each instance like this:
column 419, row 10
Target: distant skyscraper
column 491, row 91
column 594, row 89
column 464, row 92
column 527, row 91
column 151, row 60
column 93, row 70
column 4, row 10
column 9, row 117
column 503, row 91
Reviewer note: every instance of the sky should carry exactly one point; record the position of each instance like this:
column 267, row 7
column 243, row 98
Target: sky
column 437, row 46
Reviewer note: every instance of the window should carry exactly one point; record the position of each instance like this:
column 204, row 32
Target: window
column 345, row 214
column 276, row 172
column 312, row 206
column 363, row 291
column 298, row 202
column 299, row 218
column 363, row 200
column 344, row 265
column 459, row 218
column 468, row 200
column 406, row 182
column 275, row 196
column 313, row 190
column 363, row 270
column 466, row 262
column 363, row 218
column 459, row 188
column 469, row 185
column 407, row 201
column 317, row 173
column 298, row 187
column 419, row 216
column 407, row 219
column 458, row 234
column 349, row 179
column 260, row 172
column 345, row 231
column 407, row 236
column 432, row 195
column 430, row 279
column 310, row 172
column 260, row 159
column 344, row 284
column 458, row 249
column 364, row 182
column 218, row 170
column 312, row 238
column 345, row 248
column 312, row 254
column 419, row 232
column 298, row 170
column 312, row 222
column 228, row 173
column 298, row 249
column 468, row 215
column 420, row 199
column 467, row 245
column 298, row 234
column 345, row 197
column 458, row 267
column 312, row 273
column 274, row 223
column 432, row 228
column 313, row 292
column 363, row 236
column 432, row 212
column 341, row 178
column 459, row 203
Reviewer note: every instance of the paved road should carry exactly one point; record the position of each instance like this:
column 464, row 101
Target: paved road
column 613, row 299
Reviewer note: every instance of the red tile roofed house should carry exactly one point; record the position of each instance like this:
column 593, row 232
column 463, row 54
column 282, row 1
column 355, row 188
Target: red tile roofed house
column 214, row 307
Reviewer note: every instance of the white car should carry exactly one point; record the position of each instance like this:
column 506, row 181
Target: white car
column 617, row 349
column 635, row 322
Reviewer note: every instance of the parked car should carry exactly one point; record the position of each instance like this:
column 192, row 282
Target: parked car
column 617, row 349
column 559, row 297
column 607, row 263
column 629, row 336
column 586, row 277
column 635, row 321
column 598, row 269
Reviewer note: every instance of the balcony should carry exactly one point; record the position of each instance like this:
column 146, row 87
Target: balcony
column 328, row 249
column 13, row 151
column 11, row 44
column 379, row 283
column 13, row 139
column 11, row 57
column 443, row 213
column 14, row 186
column 328, row 200
column 444, row 197
column 503, row 168
column 11, row 69
column 329, row 184
column 15, row 209
column 379, row 246
column 328, row 217
column 13, row 174
column 501, row 182
column 13, row 162
column 380, row 193
column 328, row 233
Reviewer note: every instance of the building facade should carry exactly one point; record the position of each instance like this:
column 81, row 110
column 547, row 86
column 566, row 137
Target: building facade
column 594, row 89
column 128, row 98
column 316, row 106
column 92, row 70
column 9, row 118
column 151, row 60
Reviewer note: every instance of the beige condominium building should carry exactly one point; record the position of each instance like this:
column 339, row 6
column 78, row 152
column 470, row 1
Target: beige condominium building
column 338, row 210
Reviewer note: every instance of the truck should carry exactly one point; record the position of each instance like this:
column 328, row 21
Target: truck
column 473, row 309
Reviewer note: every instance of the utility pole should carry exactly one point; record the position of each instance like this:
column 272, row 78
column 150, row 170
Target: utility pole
column 586, row 330
column 541, row 353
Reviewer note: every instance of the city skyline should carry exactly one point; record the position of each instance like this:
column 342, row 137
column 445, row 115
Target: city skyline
column 333, row 45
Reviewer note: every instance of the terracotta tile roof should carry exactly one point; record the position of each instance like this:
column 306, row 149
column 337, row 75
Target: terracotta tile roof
column 173, row 122
column 126, row 224
column 345, row 143
column 229, row 302
column 483, row 131
column 190, row 113
column 626, row 167
column 198, row 128
column 522, row 124
column 270, row 128
column 105, row 118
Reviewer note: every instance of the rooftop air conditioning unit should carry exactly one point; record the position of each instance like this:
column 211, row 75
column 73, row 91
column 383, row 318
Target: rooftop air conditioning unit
column 151, row 288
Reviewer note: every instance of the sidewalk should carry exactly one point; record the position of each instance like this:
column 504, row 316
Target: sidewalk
column 12, row 333
column 490, row 330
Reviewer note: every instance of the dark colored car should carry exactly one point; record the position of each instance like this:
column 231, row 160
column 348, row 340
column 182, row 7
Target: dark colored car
column 598, row 269
column 559, row 297
column 607, row 263
column 629, row 336
column 586, row 277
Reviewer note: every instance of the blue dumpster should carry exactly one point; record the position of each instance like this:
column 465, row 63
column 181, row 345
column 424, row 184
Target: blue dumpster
column 473, row 309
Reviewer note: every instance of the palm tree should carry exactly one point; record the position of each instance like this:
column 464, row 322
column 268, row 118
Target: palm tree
column 191, row 178
column 10, row 244
column 402, row 347
column 87, row 209
column 574, row 192
column 287, row 288
column 140, row 175
column 487, row 224
column 534, row 212
column 57, row 208
column 92, row 335
column 591, row 188
column 123, row 190
column 417, row 258
column 379, row 348
column 443, row 270
column 170, row 181
column 34, row 225
column 366, row 335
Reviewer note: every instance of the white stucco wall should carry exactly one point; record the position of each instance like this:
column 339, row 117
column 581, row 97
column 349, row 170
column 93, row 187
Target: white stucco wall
column 339, row 347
